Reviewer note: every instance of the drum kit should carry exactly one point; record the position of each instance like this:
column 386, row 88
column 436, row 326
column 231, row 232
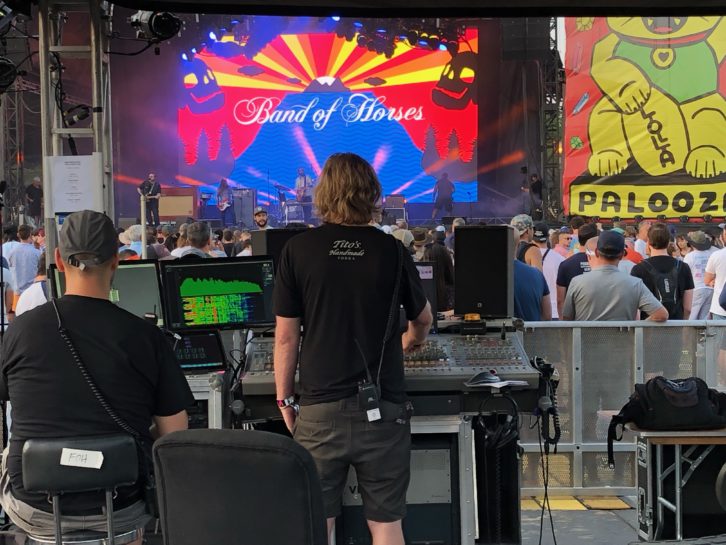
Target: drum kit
column 288, row 210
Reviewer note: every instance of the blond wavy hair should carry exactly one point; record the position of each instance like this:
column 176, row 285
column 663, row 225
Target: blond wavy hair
column 348, row 190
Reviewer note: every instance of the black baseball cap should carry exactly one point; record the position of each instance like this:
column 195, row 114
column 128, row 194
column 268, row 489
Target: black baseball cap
column 611, row 244
column 87, row 232
column 541, row 231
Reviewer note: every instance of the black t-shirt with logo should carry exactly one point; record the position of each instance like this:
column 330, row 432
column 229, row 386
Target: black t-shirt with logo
column 571, row 267
column 665, row 264
column 339, row 281
column 128, row 358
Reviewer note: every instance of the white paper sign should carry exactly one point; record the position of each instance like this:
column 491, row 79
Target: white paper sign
column 92, row 459
column 76, row 183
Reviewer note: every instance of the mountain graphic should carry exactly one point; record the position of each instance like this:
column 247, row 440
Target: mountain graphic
column 280, row 148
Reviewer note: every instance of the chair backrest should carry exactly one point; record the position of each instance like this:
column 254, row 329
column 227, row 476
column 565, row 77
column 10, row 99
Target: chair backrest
column 229, row 486
column 79, row 464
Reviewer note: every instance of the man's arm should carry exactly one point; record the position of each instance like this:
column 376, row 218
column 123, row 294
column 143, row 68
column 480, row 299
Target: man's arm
column 561, row 293
column 709, row 278
column 660, row 315
column 546, row 311
column 287, row 345
column 167, row 424
column 533, row 258
column 418, row 330
column 648, row 303
column 687, row 303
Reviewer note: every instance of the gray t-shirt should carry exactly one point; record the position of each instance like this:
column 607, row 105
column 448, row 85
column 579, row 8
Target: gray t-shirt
column 607, row 293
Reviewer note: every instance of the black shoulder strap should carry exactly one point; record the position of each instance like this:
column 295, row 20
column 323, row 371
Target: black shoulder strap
column 44, row 287
column 545, row 254
column 394, row 306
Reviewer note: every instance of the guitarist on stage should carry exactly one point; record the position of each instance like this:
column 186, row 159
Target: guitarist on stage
column 304, row 192
column 151, row 189
column 224, row 203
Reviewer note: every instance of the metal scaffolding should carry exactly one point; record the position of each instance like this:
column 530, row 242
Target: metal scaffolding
column 53, row 16
column 552, row 126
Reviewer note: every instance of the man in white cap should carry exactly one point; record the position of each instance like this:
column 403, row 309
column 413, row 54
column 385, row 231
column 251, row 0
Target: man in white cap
column 261, row 219
column 697, row 261
column 129, row 359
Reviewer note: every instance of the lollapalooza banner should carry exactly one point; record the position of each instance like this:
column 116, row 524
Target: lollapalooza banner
column 645, row 117
column 304, row 96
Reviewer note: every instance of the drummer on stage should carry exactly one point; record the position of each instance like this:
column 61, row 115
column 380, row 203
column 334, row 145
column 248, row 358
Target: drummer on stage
column 304, row 186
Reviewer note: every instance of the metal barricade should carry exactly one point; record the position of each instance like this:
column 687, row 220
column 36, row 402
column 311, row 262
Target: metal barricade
column 598, row 363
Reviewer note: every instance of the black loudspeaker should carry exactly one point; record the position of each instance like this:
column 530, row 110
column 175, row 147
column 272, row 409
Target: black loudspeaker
column 484, row 270
column 272, row 241
column 525, row 38
column 245, row 201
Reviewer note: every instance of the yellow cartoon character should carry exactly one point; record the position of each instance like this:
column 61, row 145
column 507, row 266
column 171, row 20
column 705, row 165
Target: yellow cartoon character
column 662, row 106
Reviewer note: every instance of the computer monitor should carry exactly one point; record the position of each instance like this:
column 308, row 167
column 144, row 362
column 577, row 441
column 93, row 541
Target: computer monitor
column 227, row 293
column 135, row 287
column 427, row 273
column 199, row 351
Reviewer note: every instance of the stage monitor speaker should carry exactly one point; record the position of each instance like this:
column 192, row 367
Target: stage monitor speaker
column 483, row 270
column 394, row 201
column 245, row 201
column 272, row 241
column 525, row 38
column 448, row 220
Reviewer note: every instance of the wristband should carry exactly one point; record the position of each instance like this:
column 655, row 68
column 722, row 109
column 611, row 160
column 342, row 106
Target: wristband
column 287, row 402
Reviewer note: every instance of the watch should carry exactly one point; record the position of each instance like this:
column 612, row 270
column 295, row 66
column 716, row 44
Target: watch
column 287, row 402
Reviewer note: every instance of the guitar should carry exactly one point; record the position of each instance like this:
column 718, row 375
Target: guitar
column 223, row 205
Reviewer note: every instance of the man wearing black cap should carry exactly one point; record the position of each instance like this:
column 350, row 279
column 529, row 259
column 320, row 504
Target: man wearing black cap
column 607, row 293
column 575, row 265
column 129, row 359
column 261, row 219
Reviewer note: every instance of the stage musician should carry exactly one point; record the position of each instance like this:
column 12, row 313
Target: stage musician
column 339, row 281
column 443, row 195
column 151, row 189
column 304, row 185
column 225, row 203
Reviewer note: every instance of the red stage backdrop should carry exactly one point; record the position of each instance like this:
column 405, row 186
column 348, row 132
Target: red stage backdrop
column 645, row 117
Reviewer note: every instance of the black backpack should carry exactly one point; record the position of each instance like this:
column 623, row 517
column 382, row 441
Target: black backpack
column 675, row 405
column 666, row 285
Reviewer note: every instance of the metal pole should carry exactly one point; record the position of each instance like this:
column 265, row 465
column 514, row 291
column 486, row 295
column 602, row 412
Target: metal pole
column 143, row 227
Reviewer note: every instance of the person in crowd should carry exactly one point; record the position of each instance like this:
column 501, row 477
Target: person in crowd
column 245, row 248
column 34, row 200
column 133, row 235
column 576, row 223
column 141, row 380
column 564, row 239
column 182, row 243
column 606, row 293
column 668, row 278
column 23, row 261
column 443, row 195
column 10, row 240
column 421, row 238
column 443, row 273
column 228, row 242
column 39, row 238
column 683, row 247
column 168, row 238
column 641, row 242
column 531, row 293
column 405, row 236
column 551, row 261
column 344, row 275
column 155, row 249
column 37, row 294
column 199, row 236
column 715, row 277
column 527, row 251
column 450, row 244
column 261, row 220
column 241, row 239
column 573, row 266
column 128, row 255
column 696, row 259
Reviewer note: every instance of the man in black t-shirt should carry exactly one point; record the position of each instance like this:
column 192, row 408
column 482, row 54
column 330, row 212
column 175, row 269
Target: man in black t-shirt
column 443, row 195
column 34, row 199
column 675, row 287
column 575, row 265
column 151, row 189
column 339, row 281
column 128, row 358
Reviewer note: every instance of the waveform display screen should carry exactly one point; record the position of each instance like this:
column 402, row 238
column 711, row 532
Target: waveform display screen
column 135, row 287
column 199, row 351
column 218, row 293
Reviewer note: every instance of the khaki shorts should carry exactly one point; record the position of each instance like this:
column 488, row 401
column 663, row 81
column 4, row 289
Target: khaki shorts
column 40, row 523
column 338, row 435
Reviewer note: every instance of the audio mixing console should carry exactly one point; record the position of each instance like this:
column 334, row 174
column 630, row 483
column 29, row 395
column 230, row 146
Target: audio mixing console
column 443, row 364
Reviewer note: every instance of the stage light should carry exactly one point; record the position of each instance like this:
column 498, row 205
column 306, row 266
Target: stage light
column 638, row 218
column 443, row 47
column 423, row 42
column 184, row 57
column 212, row 36
column 434, row 42
column 684, row 219
column 335, row 18
column 661, row 217
column 236, row 21
column 707, row 218
column 362, row 40
column 357, row 24
column 194, row 50
column 412, row 37
column 616, row 219
column 155, row 25
column 75, row 114
column 8, row 73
